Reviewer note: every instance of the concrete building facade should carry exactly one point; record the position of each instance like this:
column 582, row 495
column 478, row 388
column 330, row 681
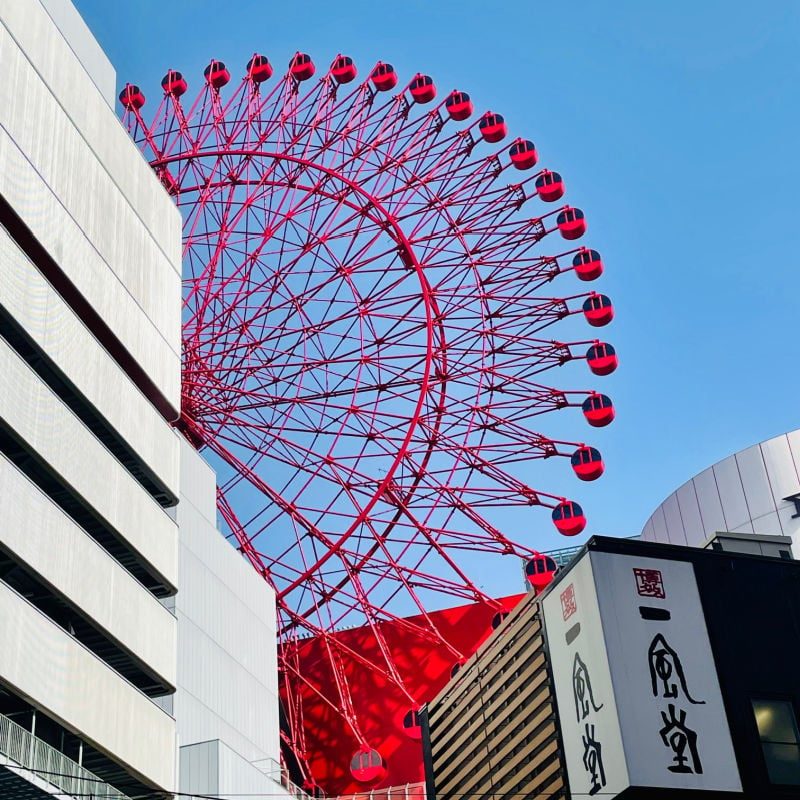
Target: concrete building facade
column 90, row 249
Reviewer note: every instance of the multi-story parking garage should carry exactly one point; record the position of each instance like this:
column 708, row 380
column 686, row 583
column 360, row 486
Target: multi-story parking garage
column 103, row 667
column 90, row 379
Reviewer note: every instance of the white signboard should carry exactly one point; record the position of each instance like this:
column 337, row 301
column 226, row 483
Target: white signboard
column 674, row 728
column 642, row 641
column 590, row 728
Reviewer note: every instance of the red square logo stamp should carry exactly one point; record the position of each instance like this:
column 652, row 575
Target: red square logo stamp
column 568, row 604
column 649, row 583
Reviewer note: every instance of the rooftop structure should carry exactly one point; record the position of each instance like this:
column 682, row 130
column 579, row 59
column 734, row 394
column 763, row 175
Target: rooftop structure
column 754, row 491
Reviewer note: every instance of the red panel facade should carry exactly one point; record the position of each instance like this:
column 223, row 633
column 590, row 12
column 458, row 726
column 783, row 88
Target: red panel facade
column 380, row 706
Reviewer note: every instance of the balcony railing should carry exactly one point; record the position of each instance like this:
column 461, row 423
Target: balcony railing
column 23, row 749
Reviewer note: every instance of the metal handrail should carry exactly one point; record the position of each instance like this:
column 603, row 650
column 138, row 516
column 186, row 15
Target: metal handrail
column 50, row 765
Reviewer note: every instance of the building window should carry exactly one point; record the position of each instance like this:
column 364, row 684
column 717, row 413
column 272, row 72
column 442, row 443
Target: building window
column 780, row 739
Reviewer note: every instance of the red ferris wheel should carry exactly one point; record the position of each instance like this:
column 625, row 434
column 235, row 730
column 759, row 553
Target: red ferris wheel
column 367, row 315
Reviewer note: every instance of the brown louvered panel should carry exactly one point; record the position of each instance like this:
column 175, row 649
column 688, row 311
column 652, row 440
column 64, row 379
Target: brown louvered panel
column 543, row 745
column 473, row 719
column 493, row 728
column 484, row 701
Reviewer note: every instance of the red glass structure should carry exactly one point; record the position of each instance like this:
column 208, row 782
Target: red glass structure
column 336, row 761
column 369, row 319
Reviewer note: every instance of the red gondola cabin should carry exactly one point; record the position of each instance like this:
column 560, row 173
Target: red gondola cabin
column 550, row 186
column 497, row 619
column 540, row 571
column 598, row 410
column 454, row 670
column 216, row 74
column 422, row 88
column 367, row 766
column 411, row 725
column 383, row 77
column 601, row 358
column 568, row 518
column 343, row 69
column 587, row 264
column 302, row 67
column 459, row 106
column 587, row 463
column 131, row 97
column 598, row 310
column 174, row 83
column 523, row 154
column 259, row 69
column 493, row 127
column 571, row 223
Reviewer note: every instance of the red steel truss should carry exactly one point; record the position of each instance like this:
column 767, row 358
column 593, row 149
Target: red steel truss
column 367, row 314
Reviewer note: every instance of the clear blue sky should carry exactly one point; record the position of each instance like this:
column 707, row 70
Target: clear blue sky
column 676, row 127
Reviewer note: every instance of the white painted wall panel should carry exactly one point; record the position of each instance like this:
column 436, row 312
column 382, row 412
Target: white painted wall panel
column 731, row 493
column 58, row 68
column 642, row 701
column 42, row 536
column 217, row 698
column 781, row 468
column 85, row 174
column 768, row 524
column 199, row 768
column 238, row 777
column 690, row 511
column 50, row 322
column 58, row 232
column 793, row 437
column 660, row 525
column 213, row 768
column 198, row 483
column 789, row 525
column 672, row 513
column 755, row 483
column 705, row 485
column 784, row 481
column 227, row 654
column 212, row 554
column 53, row 431
column 85, row 46
column 36, row 121
column 745, row 527
column 206, row 596
column 42, row 662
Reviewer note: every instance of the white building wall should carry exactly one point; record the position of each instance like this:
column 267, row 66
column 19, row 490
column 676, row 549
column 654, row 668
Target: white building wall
column 226, row 705
column 40, row 535
column 58, row 331
column 743, row 493
column 84, row 46
column 78, row 182
column 43, row 662
column 227, row 654
column 213, row 768
column 110, row 328
column 31, row 409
